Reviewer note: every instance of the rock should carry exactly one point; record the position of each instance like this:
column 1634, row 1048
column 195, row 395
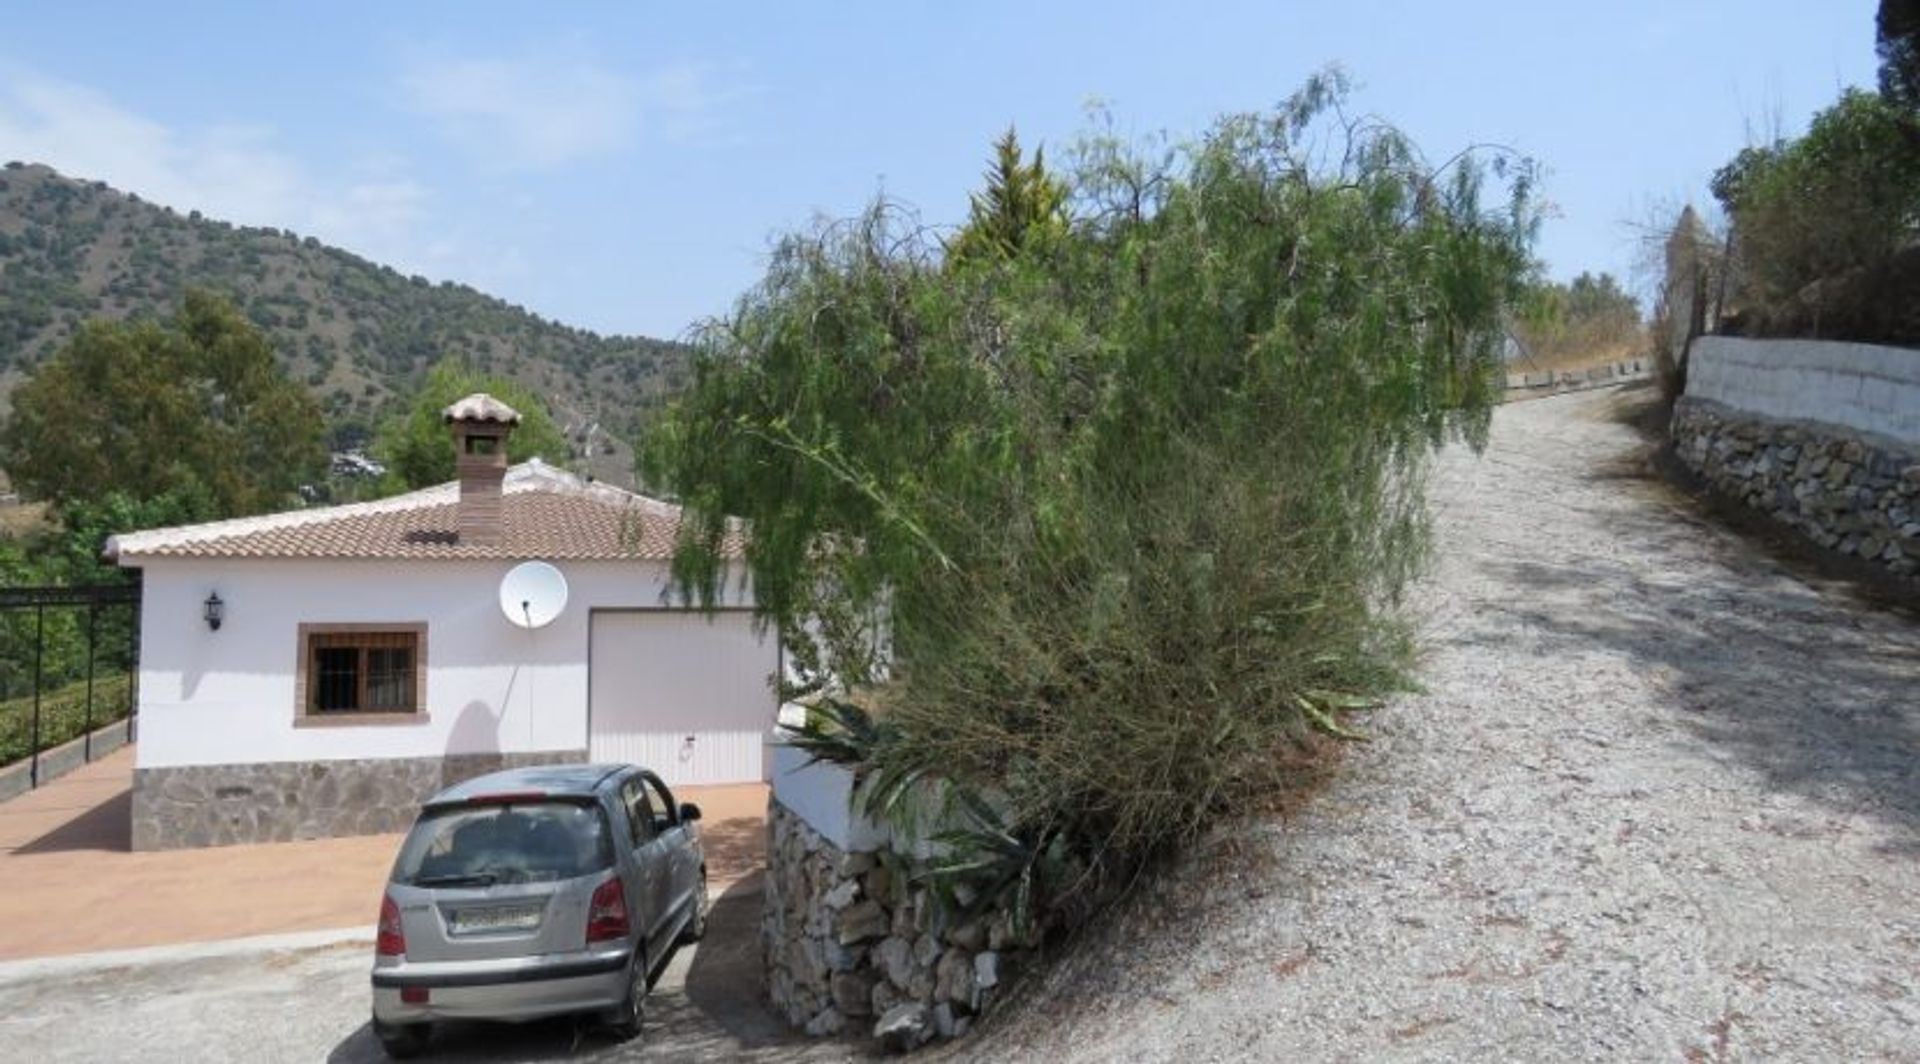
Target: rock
column 926, row 950
column 904, row 1026
column 878, row 883
column 861, row 921
column 894, row 956
column 920, row 985
column 903, row 919
column 986, row 970
column 885, row 996
column 843, row 895
column 953, row 977
column 943, row 1019
column 826, row 1022
column 853, row 993
column 970, row 936
column 844, row 958
column 854, row 865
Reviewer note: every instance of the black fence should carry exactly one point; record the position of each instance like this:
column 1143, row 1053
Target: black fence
column 69, row 664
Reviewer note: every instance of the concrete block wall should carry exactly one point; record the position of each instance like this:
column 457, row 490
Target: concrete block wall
column 1866, row 388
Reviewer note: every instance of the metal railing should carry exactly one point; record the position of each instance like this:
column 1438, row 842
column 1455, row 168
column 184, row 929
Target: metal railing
column 94, row 599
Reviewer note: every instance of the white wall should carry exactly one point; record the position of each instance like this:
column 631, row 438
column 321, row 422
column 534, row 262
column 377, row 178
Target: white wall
column 821, row 794
column 228, row 696
column 1864, row 387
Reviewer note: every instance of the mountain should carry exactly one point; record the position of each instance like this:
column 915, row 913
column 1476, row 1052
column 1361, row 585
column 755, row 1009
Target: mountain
column 359, row 334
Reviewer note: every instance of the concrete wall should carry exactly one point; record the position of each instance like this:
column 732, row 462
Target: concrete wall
column 1863, row 387
column 822, row 795
column 227, row 697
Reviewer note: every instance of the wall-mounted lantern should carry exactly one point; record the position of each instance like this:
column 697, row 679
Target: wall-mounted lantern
column 214, row 611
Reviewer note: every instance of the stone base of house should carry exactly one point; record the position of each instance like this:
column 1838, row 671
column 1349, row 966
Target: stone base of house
column 219, row 805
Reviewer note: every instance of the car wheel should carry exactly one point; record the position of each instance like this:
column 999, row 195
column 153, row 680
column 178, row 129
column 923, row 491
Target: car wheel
column 630, row 1015
column 402, row 1040
column 697, row 924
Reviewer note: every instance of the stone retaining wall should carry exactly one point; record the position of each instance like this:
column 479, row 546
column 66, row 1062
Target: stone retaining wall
column 219, row 805
column 1856, row 495
column 850, row 943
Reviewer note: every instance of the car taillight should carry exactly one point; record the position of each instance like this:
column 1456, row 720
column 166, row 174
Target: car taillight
column 607, row 912
column 391, row 941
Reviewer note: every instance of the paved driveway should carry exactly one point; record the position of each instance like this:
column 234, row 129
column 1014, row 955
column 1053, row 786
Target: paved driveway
column 311, row 1005
column 69, row 884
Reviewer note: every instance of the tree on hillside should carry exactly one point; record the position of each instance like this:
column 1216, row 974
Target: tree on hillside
column 195, row 404
column 415, row 445
column 1022, row 206
column 1897, row 40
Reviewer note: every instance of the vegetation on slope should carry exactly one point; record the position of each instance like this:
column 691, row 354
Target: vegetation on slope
column 358, row 335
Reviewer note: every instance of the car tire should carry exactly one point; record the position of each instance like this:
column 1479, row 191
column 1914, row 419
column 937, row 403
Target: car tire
column 627, row 1018
column 402, row 1041
column 697, row 924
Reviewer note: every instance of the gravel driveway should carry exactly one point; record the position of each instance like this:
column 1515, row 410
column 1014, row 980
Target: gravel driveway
column 1660, row 801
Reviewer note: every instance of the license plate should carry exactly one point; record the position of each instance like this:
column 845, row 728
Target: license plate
column 479, row 921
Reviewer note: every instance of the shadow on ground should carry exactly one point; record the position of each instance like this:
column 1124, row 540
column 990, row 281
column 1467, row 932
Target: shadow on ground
column 735, row 848
column 1800, row 684
column 107, row 827
column 707, row 1006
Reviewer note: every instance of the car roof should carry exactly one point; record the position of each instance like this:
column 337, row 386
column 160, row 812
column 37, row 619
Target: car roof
column 563, row 781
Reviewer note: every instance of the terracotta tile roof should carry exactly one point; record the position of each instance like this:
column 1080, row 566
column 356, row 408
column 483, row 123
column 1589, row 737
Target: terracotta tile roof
column 546, row 513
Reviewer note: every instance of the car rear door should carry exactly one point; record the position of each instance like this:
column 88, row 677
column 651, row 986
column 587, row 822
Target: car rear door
column 677, row 838
column 652, row 881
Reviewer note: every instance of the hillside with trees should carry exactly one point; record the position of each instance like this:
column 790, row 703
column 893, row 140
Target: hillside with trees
column 359, row 336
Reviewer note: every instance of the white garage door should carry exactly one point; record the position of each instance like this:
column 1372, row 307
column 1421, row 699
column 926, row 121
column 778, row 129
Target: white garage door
column 686, row 694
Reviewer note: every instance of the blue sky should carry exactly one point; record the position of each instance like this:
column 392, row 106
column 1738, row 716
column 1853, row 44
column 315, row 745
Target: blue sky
column 622, row 167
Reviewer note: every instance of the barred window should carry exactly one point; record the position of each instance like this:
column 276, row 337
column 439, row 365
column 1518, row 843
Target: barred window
column 377, row 669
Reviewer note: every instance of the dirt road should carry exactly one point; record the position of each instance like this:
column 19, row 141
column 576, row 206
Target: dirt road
column 1660, row 801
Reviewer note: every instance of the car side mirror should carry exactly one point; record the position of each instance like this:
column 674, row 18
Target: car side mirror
column 689, row 811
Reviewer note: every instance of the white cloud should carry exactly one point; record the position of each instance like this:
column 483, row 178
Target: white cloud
column 555, row 108
column 236, row 173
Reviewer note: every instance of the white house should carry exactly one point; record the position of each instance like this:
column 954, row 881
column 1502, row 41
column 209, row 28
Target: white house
column 319, row 672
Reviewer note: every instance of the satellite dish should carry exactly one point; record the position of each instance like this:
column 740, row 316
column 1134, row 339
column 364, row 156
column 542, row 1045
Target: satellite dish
column 532, row 594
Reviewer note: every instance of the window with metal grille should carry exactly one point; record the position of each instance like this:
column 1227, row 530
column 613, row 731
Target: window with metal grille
column 351, row 670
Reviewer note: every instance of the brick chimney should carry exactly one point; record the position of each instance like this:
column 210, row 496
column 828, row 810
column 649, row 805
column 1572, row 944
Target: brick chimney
column 481, row 425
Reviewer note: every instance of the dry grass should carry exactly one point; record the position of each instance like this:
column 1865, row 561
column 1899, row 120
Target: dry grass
column 23, row 519
column 1578, row 358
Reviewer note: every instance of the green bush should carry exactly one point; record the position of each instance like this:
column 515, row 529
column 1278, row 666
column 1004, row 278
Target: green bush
column 1844, row 197
column 63, row 715
column 1135, row 502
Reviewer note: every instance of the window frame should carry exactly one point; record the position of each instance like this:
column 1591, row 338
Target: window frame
column 669, row 817
column 304, row 713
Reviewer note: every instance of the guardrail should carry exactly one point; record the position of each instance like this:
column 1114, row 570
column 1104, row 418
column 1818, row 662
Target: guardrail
column 1550, row 382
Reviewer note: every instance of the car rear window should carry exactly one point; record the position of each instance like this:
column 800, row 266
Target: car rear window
column 523, row 842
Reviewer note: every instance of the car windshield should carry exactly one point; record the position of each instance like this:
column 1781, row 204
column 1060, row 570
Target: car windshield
column 529, row 842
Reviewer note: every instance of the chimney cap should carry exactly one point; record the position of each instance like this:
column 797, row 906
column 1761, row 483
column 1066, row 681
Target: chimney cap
column 481, row 407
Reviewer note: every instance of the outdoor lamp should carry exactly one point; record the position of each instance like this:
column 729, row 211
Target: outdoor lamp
column 214, row 610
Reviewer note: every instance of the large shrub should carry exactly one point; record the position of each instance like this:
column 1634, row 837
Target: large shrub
column 1138, row 499
column 1842, row 199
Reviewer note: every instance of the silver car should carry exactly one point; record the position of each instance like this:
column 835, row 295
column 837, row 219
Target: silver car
column 536, row 892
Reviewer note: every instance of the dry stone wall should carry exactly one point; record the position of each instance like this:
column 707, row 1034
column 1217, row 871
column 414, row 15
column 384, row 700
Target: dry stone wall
column 1855, row 494
column 851, row 943
column 219, row 805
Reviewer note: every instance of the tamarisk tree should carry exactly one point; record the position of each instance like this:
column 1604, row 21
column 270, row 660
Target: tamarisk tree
column 1139, row 499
